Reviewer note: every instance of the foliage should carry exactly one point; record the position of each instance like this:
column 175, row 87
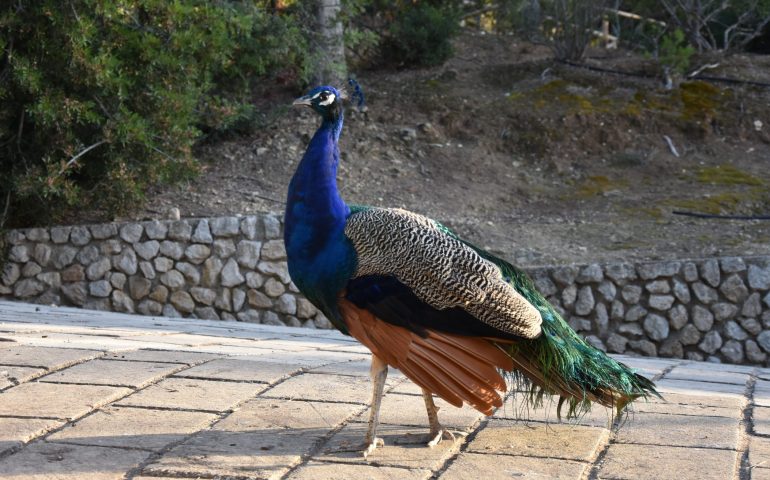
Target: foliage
column 101, row 98
column 361, row 39
column 421, row 32
column 675, row 52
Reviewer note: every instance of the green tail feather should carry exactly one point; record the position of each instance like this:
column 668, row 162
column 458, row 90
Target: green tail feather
column 560, row 362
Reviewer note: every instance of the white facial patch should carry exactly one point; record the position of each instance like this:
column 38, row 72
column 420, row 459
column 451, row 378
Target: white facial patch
column 329, row 100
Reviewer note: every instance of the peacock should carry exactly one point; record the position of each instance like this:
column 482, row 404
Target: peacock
column 452, row 317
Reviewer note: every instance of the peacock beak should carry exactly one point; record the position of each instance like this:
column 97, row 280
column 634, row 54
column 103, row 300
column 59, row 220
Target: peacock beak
column 302, row 101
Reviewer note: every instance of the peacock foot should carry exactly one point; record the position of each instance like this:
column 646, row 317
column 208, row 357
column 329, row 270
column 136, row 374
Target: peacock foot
column 441, row 434
column 370, row 447
column 430, row 439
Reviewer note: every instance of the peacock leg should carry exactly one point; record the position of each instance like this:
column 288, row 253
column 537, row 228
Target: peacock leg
column 378, row 372
column 437, row 431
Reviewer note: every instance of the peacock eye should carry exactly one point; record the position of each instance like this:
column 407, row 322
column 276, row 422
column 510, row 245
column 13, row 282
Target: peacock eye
column 324, row 96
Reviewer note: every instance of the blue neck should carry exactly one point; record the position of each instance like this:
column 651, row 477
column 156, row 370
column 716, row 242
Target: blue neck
column 321, row 259
column 314, row 207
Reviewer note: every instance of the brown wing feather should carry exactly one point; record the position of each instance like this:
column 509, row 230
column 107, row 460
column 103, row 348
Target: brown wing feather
column 456, row 368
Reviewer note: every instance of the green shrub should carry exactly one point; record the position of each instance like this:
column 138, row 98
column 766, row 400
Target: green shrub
column 421, row 33
column 675, row 52
column 101, row 98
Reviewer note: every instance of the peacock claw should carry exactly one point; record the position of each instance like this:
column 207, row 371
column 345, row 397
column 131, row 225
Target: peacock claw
column 430, row 439
column 369, row 448
column 437, row 437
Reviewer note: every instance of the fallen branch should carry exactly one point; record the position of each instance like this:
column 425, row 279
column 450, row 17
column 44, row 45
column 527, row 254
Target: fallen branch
column 671, row 146
column 74, row 160
column 82, row 152
column 696, row 72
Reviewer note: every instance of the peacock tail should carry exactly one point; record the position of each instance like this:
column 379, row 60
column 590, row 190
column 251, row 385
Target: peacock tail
column 559, row 362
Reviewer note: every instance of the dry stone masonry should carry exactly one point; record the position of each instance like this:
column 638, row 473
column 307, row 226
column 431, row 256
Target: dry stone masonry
column 715, row 309
column 234, row 268
column 229, row 268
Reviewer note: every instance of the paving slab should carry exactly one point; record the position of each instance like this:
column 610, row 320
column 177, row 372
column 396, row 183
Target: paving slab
column 707, row 375
column 193, row 394
column 300, row 344
column 160, row 477
column 405, row 447
column 162, row 356
column 334, row 388
column 759, row 453
column 681, row 431
column 516, row 409
column 760, row 474
column 14, row 375
column 110, row 372
column 349, row 348
column 56, row 400
column 567, row 442
column 15, row 431
column 410, row 410
column 698, row 399
column 234, row 454
column 48, row 358
column 693, row 409
column 487, row 467
column 647, row 366
column 726, row 367
column 127, row 427
column 262, row 439
column 357, row 368
column 762, row 393
column 44, row 461
column 276, row 414
column 241, row 370
column 306, row 358
column 632, row 462
column 87, row 342
column 187, row 340
column 760, row 417
column 701, row 388
column 344, row 471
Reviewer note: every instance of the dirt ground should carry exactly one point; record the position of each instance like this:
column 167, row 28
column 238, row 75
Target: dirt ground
column 541, row 162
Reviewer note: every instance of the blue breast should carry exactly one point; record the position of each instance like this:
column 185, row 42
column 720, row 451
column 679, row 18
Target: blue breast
column 321, row 259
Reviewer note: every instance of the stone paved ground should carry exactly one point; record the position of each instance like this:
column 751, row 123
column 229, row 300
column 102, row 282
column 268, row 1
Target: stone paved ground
column 92, row 395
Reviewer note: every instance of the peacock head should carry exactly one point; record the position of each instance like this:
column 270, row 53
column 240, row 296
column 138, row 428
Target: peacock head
column 326, row 101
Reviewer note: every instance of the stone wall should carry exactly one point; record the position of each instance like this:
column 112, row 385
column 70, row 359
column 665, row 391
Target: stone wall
column 713, row 309
column 234, row 268
column 229, row 268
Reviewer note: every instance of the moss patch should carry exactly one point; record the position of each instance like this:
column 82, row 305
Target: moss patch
column 726, row 175
column 701, row 100
column 598, row 185
column 749, row 202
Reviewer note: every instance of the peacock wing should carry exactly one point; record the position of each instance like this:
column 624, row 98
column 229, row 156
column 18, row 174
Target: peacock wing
column 439, row 268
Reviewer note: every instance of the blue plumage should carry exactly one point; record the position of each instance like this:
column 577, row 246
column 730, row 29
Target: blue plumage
column 321, row 259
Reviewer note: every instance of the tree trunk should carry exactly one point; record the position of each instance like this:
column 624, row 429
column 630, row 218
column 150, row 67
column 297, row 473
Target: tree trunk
column 331, row 68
